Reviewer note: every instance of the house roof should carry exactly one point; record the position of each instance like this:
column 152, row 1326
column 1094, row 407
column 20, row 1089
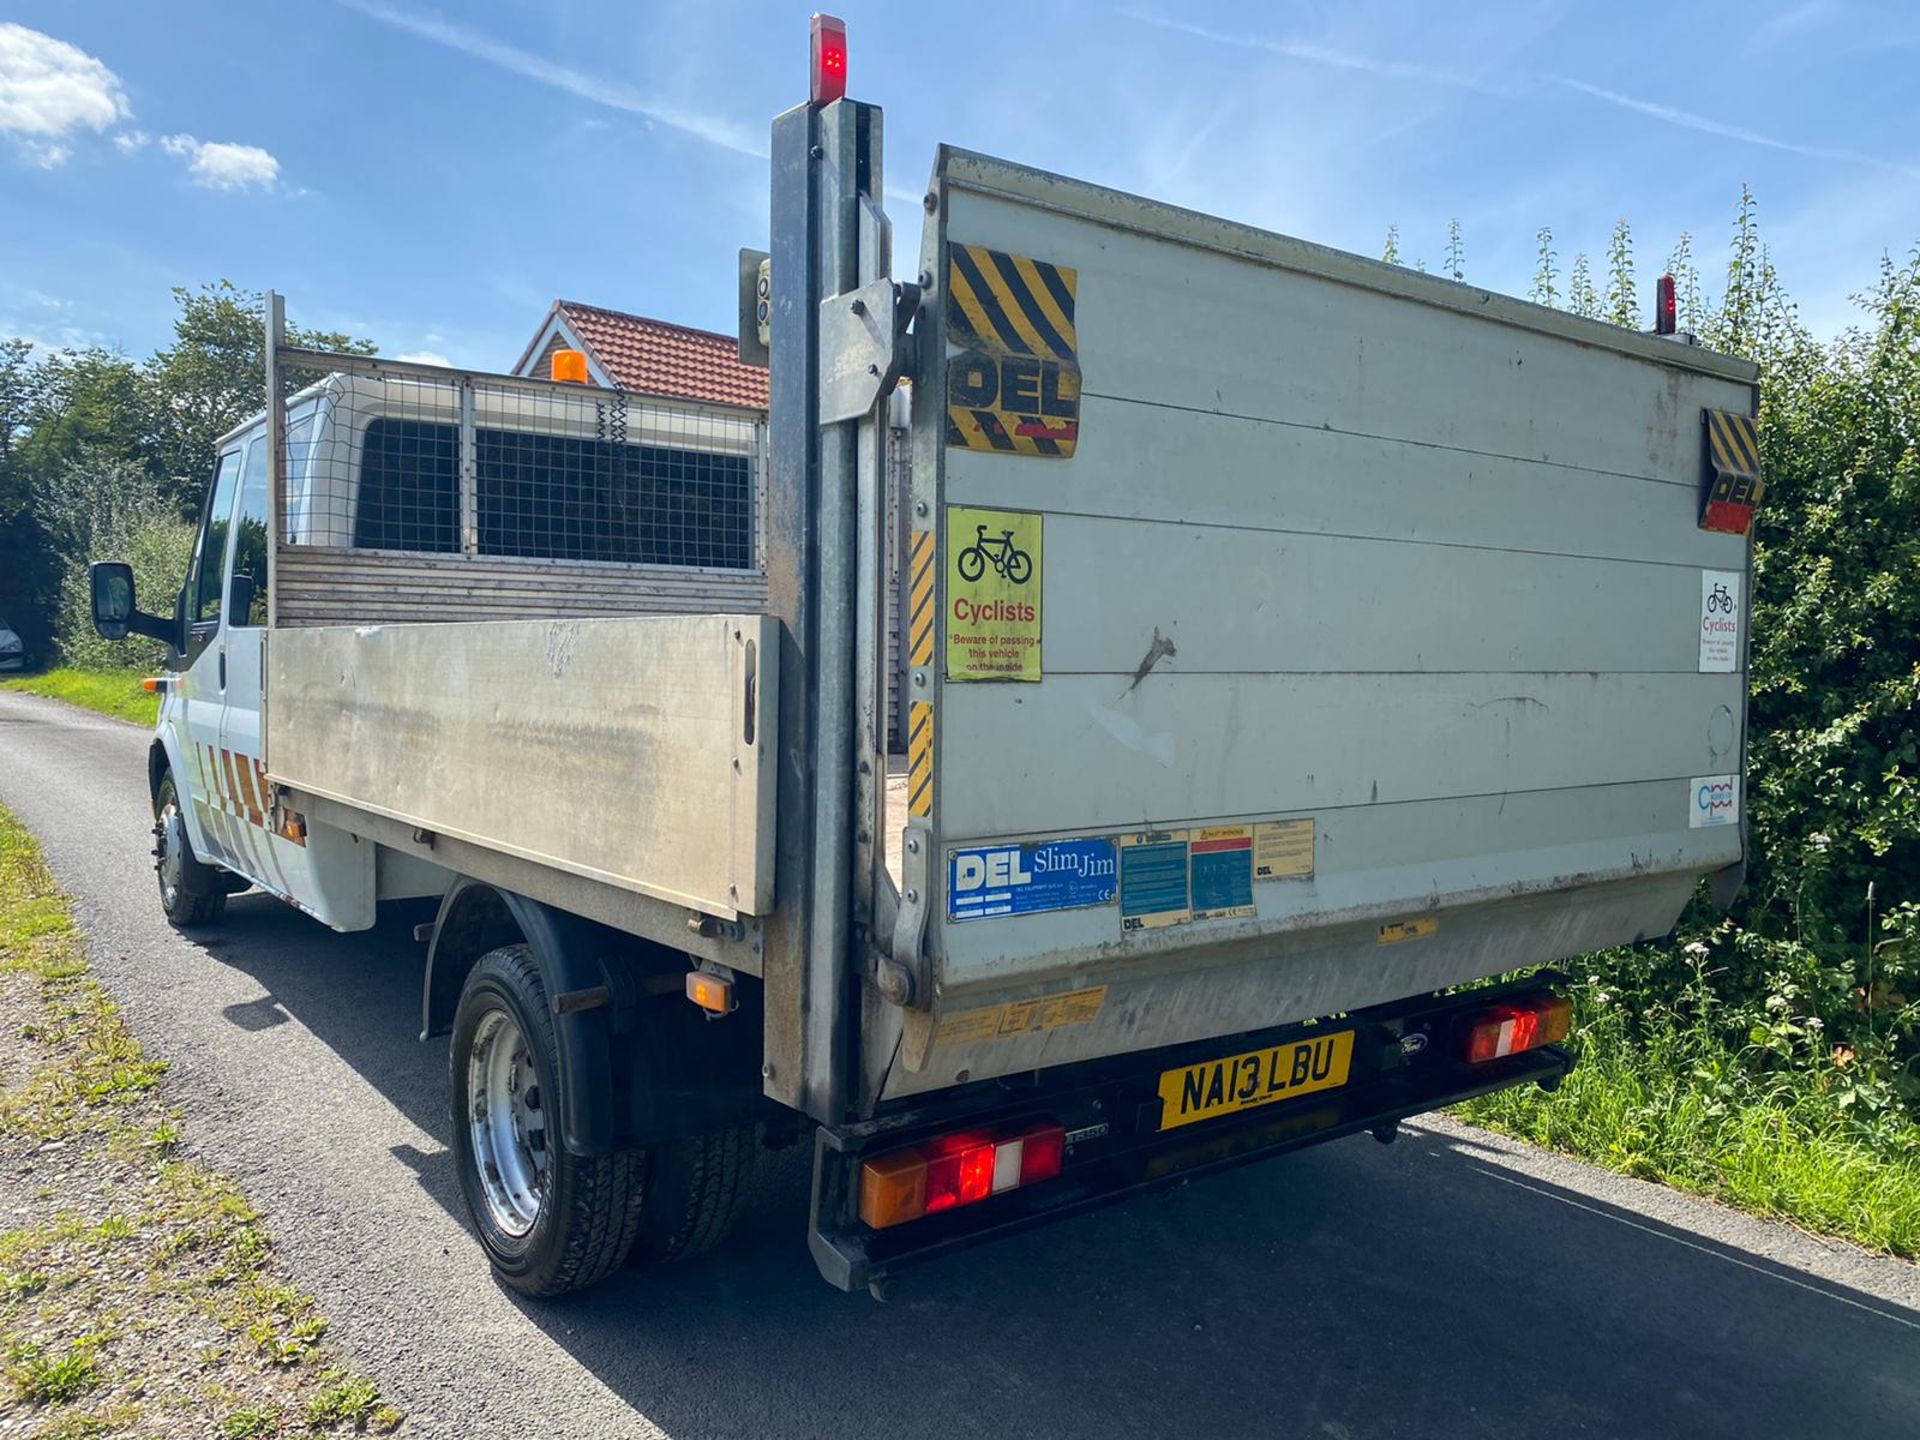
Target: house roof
column 652, row 357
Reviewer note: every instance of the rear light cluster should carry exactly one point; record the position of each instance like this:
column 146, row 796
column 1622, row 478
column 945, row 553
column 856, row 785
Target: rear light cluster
column 954, row 1170
column 1517, row 1025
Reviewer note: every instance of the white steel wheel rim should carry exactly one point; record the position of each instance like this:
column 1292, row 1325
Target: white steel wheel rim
column 170, row 844
column 507, row 1124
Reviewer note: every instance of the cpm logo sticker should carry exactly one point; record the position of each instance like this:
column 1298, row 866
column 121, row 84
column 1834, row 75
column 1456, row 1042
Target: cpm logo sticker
column 1713, row 800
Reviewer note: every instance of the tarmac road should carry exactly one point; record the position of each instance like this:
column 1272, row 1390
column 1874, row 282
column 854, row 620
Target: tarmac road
column 1452, row 1284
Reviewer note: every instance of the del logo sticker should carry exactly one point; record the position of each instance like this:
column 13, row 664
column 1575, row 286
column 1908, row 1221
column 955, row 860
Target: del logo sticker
column 993, row 594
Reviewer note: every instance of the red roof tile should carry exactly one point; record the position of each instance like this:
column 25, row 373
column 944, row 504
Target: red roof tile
column 655, row 358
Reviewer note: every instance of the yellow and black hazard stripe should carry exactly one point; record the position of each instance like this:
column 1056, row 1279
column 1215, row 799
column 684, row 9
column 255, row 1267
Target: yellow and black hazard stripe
column 920, row 758
column 1734, row 487
column 1732, row 444
column 920, row 606
column 1010, row 304
column 1015, row 387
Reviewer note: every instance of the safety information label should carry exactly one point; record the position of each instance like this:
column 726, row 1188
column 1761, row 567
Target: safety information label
column 1713, row 800
column 1153, row 880
column 993, row 880
column 1221, row 871
column 1283, row 850
column 1719, row 621
column 993, row 594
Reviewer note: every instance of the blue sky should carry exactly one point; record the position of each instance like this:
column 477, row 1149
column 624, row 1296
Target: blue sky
column 431, row 177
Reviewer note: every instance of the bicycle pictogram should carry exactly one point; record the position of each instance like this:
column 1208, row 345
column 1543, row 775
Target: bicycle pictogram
column 1719, row 600
column 1009, row 561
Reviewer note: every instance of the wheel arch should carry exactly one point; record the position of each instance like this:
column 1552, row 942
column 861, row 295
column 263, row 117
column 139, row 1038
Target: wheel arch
column 574, row 956
column 163, row 756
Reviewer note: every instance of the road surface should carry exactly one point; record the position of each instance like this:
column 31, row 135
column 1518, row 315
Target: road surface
column 1451, row 1284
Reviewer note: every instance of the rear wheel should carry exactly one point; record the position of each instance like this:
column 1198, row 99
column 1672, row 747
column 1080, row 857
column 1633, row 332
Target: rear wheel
column 192, row 892
column 550, row 1221
column 695, row 1190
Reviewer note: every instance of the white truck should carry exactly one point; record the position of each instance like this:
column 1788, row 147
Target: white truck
column 1293, row 645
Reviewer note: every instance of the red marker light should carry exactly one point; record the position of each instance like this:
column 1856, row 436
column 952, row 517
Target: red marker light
column 829, row 59
column 1664, row 311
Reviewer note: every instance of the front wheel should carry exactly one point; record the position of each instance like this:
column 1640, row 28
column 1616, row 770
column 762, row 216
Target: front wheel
column 192, row 892
column 550, row 1221
column 971, row 563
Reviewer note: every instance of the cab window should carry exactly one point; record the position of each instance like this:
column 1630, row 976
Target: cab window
column 208, row 584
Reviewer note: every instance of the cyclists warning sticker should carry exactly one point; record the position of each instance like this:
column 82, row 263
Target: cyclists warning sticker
column 993, row 594
column 1719, row 621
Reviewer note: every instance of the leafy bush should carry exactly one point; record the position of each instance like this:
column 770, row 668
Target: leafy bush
column 106, row 508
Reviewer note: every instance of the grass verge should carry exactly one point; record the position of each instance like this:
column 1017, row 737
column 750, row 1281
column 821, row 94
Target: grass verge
column 1666, row 1101
column 139, row 1291
column 110, row 692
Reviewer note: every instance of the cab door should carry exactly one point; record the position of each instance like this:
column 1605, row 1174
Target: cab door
column 279, row 863
column 203, row 673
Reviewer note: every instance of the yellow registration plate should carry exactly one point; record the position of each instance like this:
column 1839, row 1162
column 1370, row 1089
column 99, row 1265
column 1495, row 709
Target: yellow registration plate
column 1259, row 1077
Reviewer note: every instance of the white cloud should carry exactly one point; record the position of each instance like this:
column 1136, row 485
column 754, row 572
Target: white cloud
column 48, row 87
column 425, row 357
column 47, row 154
column 714, row 129
column 128, row 141
column 219, row 165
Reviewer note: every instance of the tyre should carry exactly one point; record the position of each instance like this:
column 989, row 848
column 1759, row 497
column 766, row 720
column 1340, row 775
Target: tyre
column 1019, row 567
column 192, row 892
column 695, row 1190
column 550, row 1221
column 971, row 563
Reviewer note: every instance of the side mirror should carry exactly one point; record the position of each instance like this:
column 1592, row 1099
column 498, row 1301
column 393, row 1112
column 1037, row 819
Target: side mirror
column 112, row 584
column 115, row 613
column 240, row 599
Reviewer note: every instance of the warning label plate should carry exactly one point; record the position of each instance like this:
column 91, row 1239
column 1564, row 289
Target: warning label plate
column 1221, row 869
column 1283, row 850
column 993, row 594
column 1719, row 621
column 992, row 880
column 1153, row 880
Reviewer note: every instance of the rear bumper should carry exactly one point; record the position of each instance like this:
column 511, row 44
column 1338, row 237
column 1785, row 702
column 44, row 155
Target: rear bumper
column 1112, row 1115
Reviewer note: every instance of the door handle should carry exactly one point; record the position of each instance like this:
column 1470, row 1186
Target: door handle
column 223, row 667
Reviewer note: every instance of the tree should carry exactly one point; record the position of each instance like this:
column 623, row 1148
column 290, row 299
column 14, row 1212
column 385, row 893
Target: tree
column 209, row 380
column 1623, row 305
column 1686, row 283
column 1739, row 305
column 1544, row 291
column 1582, row 299
column 1455, row 265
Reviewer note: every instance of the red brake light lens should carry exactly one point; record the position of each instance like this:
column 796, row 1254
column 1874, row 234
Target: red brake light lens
column 1518, row 1025
column 954, row 1170
column 829, row 59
